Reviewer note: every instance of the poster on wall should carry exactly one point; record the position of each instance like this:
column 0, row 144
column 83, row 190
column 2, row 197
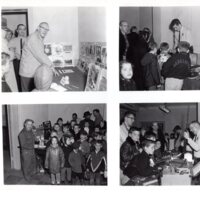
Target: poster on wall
column 61, row 54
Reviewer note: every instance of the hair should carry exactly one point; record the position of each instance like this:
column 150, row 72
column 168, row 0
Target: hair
column 75, row 114
column 59, row 119
column 77, row 125
column 184, row 46
column 164, row 46
column 83, row 133
column 133, row 129
column 124, row 62
column 133, row 28
column 176, row 128
column 195, row 123
column 147, row 143
column 98, row 142
column 152, row 45
column 174, row 22
column 16, row 33
column 127, row 113
column 28, row 120
column 54, row 137
column 96, row 110
column 122, row 21
column 149, row 136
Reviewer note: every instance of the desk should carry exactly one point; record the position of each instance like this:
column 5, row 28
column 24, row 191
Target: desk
column 77, row 79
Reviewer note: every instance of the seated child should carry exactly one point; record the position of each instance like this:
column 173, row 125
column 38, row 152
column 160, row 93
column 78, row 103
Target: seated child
column 96, row 164
column 126, row 76
column 54, row 160
column 67, row 149
column 77, row 163
column 177, row 68
column 151, row 68
column 43, row 78
column 143, row 164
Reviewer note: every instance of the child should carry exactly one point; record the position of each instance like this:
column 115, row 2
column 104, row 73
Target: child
column 143, row 164
column 164, row 54
column 54, row 160
column 76, row 132
column 177, row 68
column 96, row 164
column 58, row 130
column 151, row 68
column 67, row 149
column 98, row 137
column 77, row 163
column 84, row 145
column 126, row 76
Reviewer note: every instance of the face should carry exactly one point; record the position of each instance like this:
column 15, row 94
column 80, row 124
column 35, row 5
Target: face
column 53, row 134
column 97, row 129
column 98, row 146
column 72, row 124
column 135, row 136
column 127, row 71
column 74, row 117
column 60, row 122
column 8, row 36
column 56, row 127
column 155, row 126
column 54, row 141
column 129, row 120
column 87, row 124
column 29, row 125
column 21, row 31
column 150, row 149
column 83, row 137
column 95, row 113
column 65, row 129
column 177, row 27
column 43, row 30
column 124, row 27
column 76, row 129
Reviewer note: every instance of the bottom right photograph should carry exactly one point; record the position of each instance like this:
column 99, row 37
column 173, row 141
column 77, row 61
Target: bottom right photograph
column 159, row 144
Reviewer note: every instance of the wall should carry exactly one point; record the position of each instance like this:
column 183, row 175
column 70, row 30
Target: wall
column 146, row 17
column 179, row 115
column 189, row 17
column 131, row 15
column 63, row 24
column 92, row 24
column 66, row 111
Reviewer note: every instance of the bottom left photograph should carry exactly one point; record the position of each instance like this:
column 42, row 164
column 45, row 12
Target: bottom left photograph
column 54, row 144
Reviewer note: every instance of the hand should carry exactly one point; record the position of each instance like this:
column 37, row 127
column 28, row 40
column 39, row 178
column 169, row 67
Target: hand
column 186, row 135
column 55, row 71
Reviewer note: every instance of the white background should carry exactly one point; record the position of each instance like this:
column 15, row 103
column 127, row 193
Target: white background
column 112, row 98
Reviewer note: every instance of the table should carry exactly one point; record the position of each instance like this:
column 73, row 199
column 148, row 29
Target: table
column 77, row 79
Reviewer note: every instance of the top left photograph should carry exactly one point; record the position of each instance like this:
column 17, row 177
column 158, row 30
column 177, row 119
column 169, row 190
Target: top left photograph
column 53, row 49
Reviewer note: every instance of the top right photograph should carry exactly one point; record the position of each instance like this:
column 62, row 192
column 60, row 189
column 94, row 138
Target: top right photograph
column 159, row 48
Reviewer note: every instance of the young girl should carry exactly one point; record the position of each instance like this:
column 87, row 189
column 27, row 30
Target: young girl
column 126, row 77
column 54, row 160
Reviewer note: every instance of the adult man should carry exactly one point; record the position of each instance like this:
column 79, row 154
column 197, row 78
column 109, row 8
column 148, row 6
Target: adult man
column 194, row 143
column 97, row 116
column 33, row 56
column 87, row 116
column 129, row 119
column 26, row 141
column 123, row 40
column 180, row 33
column 16, row 45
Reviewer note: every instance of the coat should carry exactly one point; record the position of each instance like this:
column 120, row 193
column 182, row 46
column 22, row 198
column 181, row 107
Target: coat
column 128, row 150
column 55, row 159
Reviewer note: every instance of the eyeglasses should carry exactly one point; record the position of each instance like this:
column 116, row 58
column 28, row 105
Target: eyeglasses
column 46, row 29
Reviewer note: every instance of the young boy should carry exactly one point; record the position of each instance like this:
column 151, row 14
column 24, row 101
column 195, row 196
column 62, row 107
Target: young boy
column 177, row 68
column 151, row 68
column 76, row 161
column 76, row 132
column 143, row 164
column 84, row 145
column 96, row 164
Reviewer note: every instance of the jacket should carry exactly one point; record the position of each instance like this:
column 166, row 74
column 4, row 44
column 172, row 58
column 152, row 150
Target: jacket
column 128, row 150
column 55, row 159
column 150, row 70
column 177, row 66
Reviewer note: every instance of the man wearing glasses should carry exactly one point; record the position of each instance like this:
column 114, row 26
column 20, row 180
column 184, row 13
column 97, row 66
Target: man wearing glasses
column 129, row 119
column 33, row 56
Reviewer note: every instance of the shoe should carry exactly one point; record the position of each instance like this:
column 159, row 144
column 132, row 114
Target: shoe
column 53, row 183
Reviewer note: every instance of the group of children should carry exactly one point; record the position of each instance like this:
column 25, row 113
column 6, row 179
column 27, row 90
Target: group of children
column 75, row 155
column 162, row 70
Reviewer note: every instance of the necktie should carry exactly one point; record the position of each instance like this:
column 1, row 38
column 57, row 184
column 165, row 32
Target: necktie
column 21, row 46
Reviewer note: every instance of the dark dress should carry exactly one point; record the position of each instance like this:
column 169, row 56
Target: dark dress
column 127, row 85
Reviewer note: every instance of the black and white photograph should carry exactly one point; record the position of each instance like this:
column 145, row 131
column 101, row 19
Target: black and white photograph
column 44, row 48
column 159, row 144
column 159, row 48
column 55, row 144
